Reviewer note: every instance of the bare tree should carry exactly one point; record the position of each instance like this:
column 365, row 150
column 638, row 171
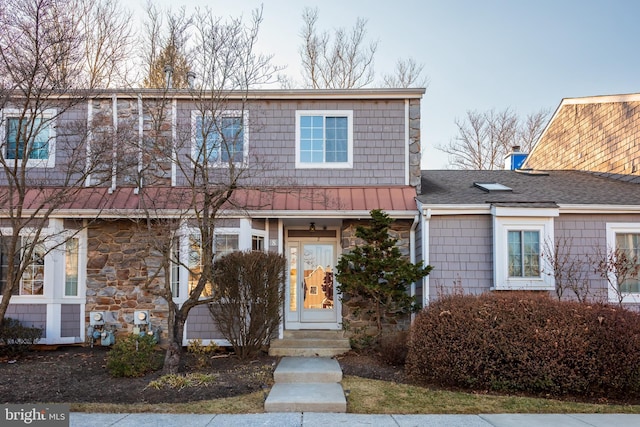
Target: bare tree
column 485, row 138
column 342, row 62
column 44, row 150
column 569, row 272
column 531, row 128
column 210, row 173
column 620, row 268
column 108, row 41
column 165, row 55
column 408, row 73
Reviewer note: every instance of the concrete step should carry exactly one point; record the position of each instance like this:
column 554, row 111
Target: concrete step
column 306, row 352
column 313, row 334
column 310, row 343
column 307, row 370
column 306, row 397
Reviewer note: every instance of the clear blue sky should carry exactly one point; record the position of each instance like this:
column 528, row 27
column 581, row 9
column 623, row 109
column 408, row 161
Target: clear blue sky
column 478, row 54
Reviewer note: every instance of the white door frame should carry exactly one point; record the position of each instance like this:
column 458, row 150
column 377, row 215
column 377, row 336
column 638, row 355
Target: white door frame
column 295, row 315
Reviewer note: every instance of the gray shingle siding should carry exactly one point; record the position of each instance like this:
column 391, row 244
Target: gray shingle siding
column 34, row 315
column 461, row 253
column 70, row 320
column 200, row 325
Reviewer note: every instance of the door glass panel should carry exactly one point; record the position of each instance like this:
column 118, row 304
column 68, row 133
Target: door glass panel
column 318, row 276
column 293, row 278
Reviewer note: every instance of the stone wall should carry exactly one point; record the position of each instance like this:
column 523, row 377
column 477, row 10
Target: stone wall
column 117, row 264
column 415, row 156
column 355, row 319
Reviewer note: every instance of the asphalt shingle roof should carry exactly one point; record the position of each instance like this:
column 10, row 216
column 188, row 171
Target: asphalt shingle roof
column 451, row 187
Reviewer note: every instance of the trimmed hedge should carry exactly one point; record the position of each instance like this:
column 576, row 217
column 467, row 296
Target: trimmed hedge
column 527, row 342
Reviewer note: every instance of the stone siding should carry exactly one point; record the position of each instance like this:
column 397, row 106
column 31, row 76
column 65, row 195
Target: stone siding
column 354, row 318
column 117, row 265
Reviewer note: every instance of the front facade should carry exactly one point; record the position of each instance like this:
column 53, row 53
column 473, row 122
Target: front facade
column 528, row 230
column 316, row 163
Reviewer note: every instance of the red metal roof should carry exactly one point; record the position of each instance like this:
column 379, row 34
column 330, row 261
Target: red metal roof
column 276, row 200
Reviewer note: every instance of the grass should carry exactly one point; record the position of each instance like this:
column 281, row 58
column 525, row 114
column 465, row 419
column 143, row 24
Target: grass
column 380, row 397
column 180, row 382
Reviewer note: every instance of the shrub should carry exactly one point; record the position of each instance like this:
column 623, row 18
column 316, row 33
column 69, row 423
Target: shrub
column 16, row 339
column 201, row 353
column 248, row 299
column 376, row 277
column 393, row 347
column 133, row 356
column 524, row 342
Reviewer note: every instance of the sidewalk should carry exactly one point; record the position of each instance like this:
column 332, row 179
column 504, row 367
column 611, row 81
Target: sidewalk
column 311, row 419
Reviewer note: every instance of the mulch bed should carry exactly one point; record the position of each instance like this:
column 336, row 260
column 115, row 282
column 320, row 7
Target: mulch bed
column 79, row 374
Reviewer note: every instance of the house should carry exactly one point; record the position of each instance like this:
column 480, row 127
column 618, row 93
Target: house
column 596, row 134
column 320, row 161
column 501, row 231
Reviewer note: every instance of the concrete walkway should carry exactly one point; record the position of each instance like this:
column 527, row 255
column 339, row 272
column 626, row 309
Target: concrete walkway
column 312, row 419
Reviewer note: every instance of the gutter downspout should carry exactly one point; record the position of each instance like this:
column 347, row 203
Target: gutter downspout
column 412, row 254
column 426, row 216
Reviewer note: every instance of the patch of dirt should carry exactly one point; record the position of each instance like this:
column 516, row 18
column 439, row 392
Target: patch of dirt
column 79, row 374
column 370, row 366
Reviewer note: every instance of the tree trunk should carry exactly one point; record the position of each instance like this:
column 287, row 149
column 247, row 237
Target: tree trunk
column 173, row 356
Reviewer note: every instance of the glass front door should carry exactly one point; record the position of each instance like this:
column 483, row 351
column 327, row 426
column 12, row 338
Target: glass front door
column 311, row 288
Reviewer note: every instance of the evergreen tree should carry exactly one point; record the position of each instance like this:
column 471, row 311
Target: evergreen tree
column 377, row 272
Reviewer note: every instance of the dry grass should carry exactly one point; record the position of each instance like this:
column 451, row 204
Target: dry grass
column 380, row 397
column 245, row 404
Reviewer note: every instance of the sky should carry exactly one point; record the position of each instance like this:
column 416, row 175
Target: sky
column 478, row 55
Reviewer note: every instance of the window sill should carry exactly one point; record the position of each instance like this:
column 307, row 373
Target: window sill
column 524, row 287
column 342, row 165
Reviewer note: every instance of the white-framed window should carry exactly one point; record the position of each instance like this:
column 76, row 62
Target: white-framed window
column 220, row 139
column 28, row 136
column 186, row 267
column 523, row 253
column 324, row 139
column 71, row 267
column 624, row 237
column 518, row 238
column 32, row 282
column 257, row 243
column 54, row 269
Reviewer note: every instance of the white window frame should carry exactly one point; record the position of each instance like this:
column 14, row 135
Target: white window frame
column 54, row 264
column 195, row 115
column 82, row 261
column 613, row 228
column 520, row 219
column 48, row 116
column 326, row 165
column 183, row 236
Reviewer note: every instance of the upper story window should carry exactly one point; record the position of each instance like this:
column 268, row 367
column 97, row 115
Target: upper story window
column 30, row 137
column 623, row 240
column 220, row 139
column 519, row 235
column 324, row 139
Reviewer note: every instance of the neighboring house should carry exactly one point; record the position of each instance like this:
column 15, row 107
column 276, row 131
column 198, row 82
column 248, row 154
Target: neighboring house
column 330, row 157
column 596, row 134
column 495, row 231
